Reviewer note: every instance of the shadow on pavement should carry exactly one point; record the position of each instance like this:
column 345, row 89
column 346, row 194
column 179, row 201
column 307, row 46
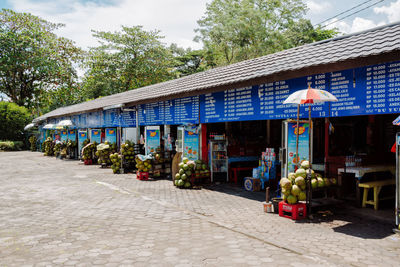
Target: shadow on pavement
column 341, row 217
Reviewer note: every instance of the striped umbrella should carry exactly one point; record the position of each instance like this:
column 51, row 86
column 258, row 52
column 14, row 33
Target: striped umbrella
column 397, row 121
column 308, row 96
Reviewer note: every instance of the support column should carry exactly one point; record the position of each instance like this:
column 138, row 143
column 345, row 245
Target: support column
column 204, row 143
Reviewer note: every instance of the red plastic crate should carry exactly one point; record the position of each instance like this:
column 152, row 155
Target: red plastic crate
column 295, row 212
column 142, row 176
column 87, row 162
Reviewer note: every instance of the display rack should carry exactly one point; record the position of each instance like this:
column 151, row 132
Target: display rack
column 219, row 159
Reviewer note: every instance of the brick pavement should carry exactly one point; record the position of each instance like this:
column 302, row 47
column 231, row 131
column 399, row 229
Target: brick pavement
column 61, row 212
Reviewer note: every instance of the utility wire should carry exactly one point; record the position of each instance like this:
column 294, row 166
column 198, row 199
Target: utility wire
column 354, row 7
column 351, row 14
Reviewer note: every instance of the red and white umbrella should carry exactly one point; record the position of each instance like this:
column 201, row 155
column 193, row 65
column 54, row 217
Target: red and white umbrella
column 310, row 96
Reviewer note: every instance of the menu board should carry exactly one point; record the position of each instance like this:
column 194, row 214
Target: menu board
column 82, row 120
column 361, row 91
column 128, row 119
column 94, row 119
column 151, row 114
column 178, row 111
column 186, row 110
column 169, row 112
column 110, row 118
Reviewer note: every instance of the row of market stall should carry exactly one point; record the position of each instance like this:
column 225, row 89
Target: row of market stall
column 235, row 121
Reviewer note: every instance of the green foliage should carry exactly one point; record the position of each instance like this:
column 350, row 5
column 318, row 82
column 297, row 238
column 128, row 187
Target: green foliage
column 236, row 30
column 33, row 60
column 126, row 60
column 11, row 145
column 188, row 61
column 13, row 119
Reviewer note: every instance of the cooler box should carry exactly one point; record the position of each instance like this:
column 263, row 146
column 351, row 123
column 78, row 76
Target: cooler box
column 295, row 211
column 252, row 184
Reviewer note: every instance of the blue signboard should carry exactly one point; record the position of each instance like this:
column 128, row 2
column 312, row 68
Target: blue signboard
column 94, row 119
column 151, row 114
column 95, row 136
column 304, row 134
column 82, row 136
column 191, row 144
column 178, row 111
column 152, row 140
column 361, row 91
column 128, row 119
column 72, row 135
column 169, row 113
column 186, row 110
column 110, row 118
column 111, row 135
column 64, row 135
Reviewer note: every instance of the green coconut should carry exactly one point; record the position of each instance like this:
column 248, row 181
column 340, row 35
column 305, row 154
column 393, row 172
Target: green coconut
column 302, row 196
column 301, row 173
column 291, row 199
column 285, row 183
column 314, row 183
column 320, row 182
column 295, row 190
column 300, row 181
column 305, row 164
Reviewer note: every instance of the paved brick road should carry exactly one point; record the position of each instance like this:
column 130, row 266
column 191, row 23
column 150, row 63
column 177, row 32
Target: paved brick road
column 61, row 212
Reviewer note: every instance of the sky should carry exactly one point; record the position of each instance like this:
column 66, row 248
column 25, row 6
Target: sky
column 177, row 19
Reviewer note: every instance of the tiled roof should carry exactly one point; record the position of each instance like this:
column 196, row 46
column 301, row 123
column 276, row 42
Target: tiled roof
column 364, row 44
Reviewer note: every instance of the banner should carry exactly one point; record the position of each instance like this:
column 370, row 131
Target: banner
column 303, row 144
column 64, row 135
column 111, row 135
column 72, row 135
column 191, row 144
column 82, row 136
column 152, row 139
column 95, row 136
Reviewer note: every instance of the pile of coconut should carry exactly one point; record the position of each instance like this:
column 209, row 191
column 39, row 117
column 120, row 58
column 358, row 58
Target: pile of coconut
column 293, row 187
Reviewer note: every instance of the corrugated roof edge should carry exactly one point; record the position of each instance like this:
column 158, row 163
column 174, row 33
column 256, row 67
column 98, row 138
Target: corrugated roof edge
column 50, row 114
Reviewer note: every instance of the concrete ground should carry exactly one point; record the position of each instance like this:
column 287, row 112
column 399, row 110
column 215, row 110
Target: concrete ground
column 55, row 212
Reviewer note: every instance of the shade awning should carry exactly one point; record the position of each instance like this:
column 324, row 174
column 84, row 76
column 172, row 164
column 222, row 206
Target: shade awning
column 29, row 126
column 49, row 126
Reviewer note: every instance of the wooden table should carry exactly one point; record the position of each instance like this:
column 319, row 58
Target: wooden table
column 360, row 171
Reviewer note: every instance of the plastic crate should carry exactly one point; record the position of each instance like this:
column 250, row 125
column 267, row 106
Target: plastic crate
column 295, row 212
column 142, row 176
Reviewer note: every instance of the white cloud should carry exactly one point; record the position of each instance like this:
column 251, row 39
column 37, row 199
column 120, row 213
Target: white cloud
column 319, row 7
column 175, row 18
column 358, row 24
column 392, row 11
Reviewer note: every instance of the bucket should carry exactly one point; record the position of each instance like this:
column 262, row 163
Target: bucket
column 275, row 203
column 268, row 208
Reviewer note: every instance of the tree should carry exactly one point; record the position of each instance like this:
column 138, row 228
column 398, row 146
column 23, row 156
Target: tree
column 33, row 59
column 188, row 61
column 13, row 119
column 126, row 60
column 236, row 30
